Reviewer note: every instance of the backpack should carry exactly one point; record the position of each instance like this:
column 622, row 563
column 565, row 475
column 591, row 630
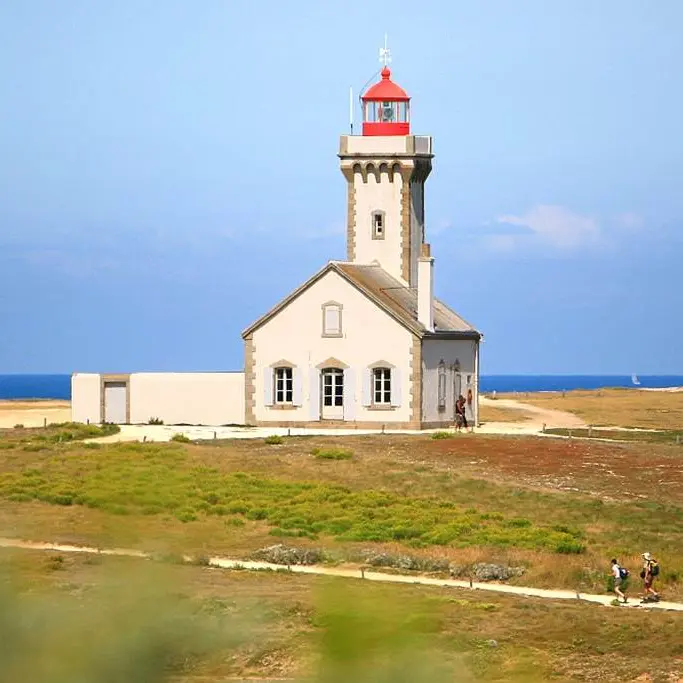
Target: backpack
column 654, row 568
column 623, row 572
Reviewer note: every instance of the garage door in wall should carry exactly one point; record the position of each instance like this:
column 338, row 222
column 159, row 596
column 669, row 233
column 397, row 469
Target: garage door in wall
column 115, row 402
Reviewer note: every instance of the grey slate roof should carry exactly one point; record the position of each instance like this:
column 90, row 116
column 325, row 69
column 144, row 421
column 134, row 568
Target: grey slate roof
column 389, row 294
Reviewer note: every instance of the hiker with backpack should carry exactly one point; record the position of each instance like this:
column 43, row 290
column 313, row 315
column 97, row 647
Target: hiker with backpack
column 620, row 574
column 649, row 572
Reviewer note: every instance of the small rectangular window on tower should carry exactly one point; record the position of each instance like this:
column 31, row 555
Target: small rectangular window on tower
column 377, row 225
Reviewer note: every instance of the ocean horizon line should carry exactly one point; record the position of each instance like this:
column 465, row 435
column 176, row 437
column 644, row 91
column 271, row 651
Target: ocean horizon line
column 488, row 374
column 57, row 386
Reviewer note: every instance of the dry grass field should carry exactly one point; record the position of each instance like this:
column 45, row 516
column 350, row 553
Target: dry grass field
column 489, row 413
column 615, row 407
column 559, row 509
column 210, row 625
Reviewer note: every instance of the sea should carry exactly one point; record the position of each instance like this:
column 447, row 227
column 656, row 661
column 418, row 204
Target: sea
column 59, row 386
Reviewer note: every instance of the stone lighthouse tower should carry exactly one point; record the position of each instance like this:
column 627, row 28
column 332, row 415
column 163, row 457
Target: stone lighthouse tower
column 386, row 168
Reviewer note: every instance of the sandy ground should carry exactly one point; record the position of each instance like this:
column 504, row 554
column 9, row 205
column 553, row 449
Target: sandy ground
column 532, row 418
column 33, row 413
column 532, row 421
column 357, row 573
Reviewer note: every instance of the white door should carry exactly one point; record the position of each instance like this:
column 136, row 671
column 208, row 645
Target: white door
column 115, row 402
column 332, row 394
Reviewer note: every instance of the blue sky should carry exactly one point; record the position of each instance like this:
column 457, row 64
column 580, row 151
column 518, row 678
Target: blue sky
column 168, row 172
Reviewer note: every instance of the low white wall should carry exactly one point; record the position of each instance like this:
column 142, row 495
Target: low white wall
column 85, row 397
column 206, row 398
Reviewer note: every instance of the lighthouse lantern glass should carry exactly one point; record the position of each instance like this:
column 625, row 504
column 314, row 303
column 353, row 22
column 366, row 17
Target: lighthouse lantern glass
column 386, row 112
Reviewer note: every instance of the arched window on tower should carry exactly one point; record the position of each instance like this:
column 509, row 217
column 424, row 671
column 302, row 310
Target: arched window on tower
column 378, row 225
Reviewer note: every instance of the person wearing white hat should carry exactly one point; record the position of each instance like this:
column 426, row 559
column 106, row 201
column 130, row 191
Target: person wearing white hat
column 648, row 573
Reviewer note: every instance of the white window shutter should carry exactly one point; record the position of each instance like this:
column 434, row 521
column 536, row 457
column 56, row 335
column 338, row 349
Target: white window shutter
column 332, row 320
column 349, row 395
column 395, row 387
column 268, row 386
column 314, row 395
column 296, row 387
column 367, row 387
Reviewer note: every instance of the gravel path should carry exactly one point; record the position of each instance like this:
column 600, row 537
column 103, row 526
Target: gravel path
column 228, row 563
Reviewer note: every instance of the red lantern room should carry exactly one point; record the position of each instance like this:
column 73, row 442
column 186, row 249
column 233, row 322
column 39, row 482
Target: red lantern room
column 386, row 108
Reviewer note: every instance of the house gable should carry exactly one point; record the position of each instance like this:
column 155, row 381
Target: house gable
column 347, row 276
column 294, row 334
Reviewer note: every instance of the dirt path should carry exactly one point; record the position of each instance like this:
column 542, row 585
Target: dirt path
column 353, row 573
column 533, row 416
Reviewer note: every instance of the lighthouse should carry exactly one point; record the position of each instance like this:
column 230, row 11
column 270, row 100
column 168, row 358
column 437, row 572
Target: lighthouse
column 362, row 343
column 385, row 169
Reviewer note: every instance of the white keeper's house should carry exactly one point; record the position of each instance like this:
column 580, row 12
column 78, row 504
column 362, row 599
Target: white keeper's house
column 362, row 343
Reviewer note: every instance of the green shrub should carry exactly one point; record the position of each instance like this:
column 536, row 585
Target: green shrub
column 76, row 431
column 442, row 435
column 569, row 547
column 159, row 479
column 155, row 421
column 274, row 440
column 187, row 515
column 181, row 438
column 332, row 453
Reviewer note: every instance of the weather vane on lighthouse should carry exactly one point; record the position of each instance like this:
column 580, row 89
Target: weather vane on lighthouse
column 385, row 53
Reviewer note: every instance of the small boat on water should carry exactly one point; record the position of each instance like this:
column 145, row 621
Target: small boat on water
column 635, row 380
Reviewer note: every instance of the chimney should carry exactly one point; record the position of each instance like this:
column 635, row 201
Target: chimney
column 425, row 289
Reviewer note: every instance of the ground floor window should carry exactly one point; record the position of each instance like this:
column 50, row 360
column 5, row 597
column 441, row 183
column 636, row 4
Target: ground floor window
column 284, row 385
column 381, row 386
column 333, row 387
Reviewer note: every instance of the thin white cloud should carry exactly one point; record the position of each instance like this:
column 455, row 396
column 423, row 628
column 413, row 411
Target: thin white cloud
column 554, row 225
